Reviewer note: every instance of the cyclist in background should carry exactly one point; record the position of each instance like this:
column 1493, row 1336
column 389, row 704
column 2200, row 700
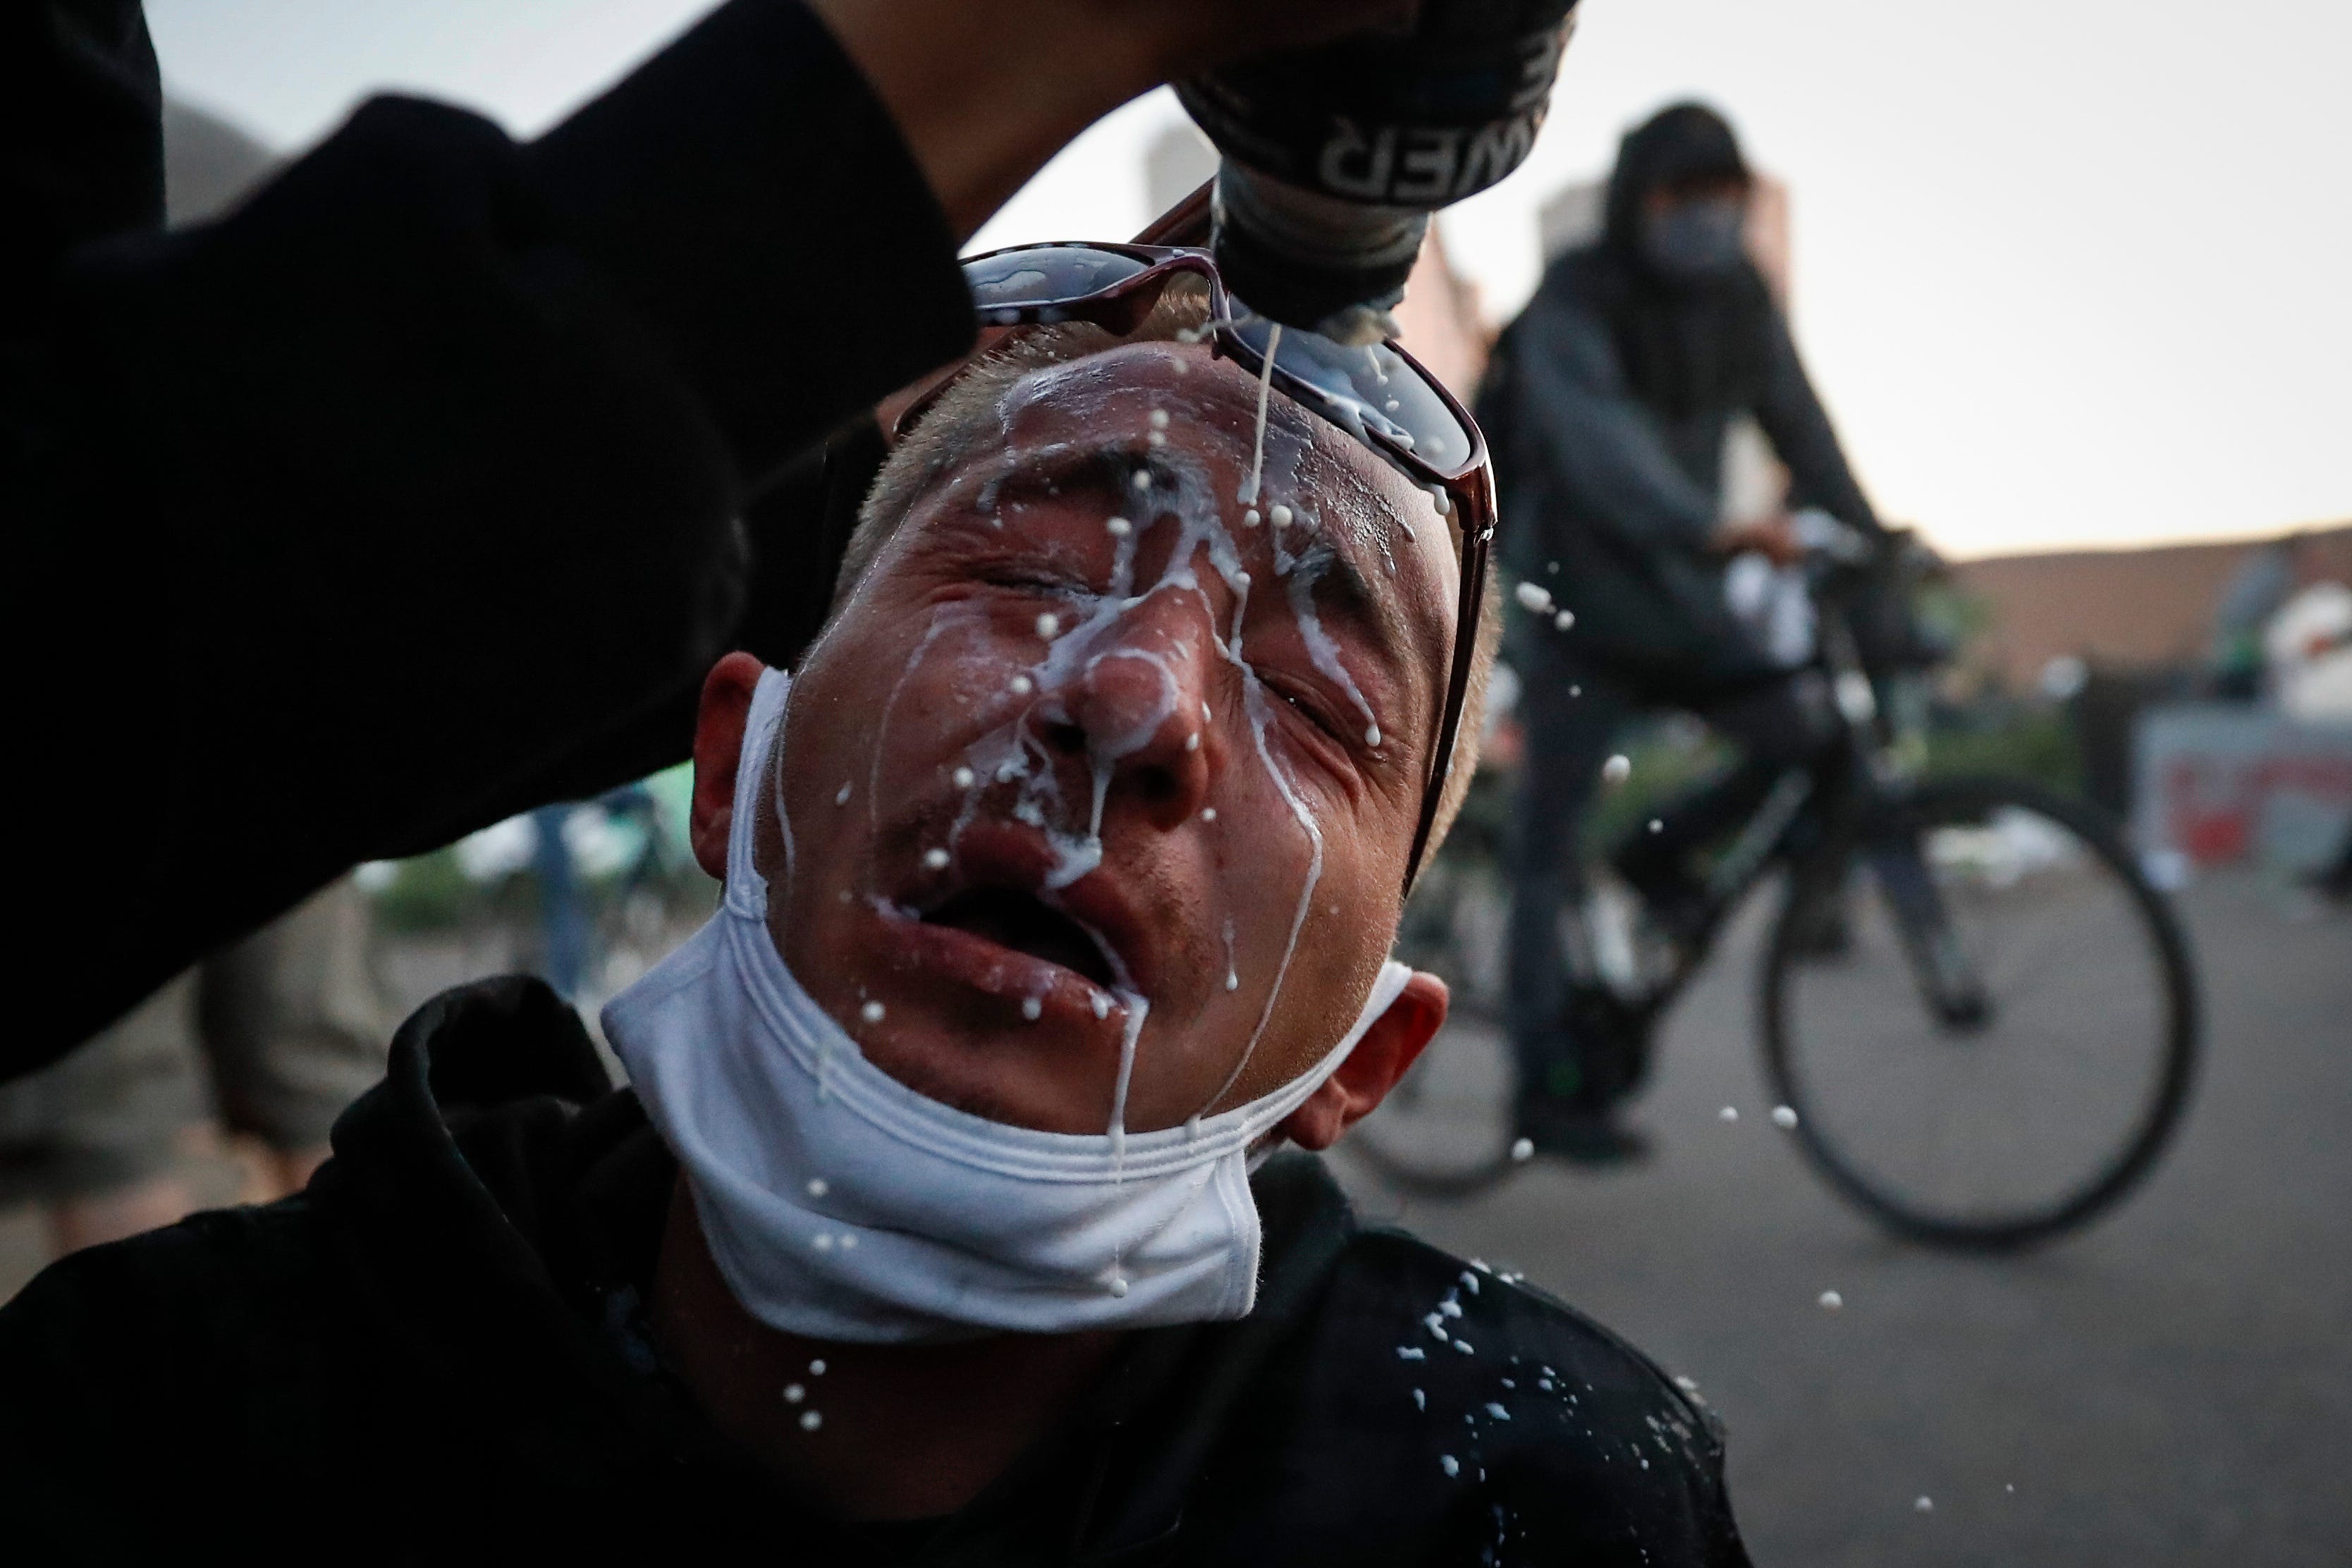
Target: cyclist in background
column 1608, row 405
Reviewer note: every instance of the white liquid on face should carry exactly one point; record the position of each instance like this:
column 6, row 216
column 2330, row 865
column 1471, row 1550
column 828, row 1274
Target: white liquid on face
column 1079, row 640
column 1265, row 392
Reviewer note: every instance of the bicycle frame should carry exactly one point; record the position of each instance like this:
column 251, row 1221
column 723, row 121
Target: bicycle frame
column 1842, row 801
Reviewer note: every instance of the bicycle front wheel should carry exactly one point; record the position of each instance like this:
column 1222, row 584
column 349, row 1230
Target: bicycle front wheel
column 1982, row 1016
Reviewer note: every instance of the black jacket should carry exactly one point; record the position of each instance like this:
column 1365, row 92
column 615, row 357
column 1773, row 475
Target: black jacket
column 436, row 1353
column 425, row 484
column 1607, row 402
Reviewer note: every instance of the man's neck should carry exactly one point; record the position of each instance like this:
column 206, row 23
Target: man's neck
column 872, row 1432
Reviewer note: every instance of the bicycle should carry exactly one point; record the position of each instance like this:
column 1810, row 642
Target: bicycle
column 1903, row 988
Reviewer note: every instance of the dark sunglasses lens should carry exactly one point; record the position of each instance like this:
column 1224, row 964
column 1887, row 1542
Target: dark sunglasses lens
column 1019, row 285
column 1369, row 391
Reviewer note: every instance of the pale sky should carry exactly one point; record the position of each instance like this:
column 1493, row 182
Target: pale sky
column 2066, row 271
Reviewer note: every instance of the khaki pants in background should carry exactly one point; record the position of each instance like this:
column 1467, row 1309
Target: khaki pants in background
column 274, row 1036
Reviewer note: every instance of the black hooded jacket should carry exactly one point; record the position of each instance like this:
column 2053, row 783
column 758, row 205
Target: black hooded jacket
column 1608, row 403
column 436, row 1353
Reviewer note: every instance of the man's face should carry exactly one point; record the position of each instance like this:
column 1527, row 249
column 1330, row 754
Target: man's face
column 1087, row 753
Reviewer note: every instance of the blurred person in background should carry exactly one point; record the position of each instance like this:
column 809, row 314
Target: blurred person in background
column 2261, row 584
column 1608, row 405
column 420, row 488
column 266, row 1041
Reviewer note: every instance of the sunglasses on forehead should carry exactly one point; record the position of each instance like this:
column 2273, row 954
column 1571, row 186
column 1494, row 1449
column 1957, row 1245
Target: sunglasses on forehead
column 1378, row 394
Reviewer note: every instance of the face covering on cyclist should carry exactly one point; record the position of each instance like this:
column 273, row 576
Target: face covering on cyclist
column 841, row 1205
column 1695, row 240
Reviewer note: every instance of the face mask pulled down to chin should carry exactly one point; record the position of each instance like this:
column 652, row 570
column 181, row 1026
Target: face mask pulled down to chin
column 841, row 1205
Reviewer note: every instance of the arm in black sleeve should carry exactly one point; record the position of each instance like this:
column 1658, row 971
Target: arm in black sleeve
column 1799, row 429
column 1599, row 444
column 410, row 492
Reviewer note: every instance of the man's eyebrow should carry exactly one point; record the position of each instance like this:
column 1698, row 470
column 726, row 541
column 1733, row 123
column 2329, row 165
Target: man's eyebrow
column 1099, row 468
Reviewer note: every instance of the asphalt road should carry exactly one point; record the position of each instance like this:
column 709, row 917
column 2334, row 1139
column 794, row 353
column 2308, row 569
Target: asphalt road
column 2174, row 1387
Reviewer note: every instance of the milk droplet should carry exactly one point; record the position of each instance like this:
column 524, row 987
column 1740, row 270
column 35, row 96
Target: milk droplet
column 1160, row 419
column 1729, row 1113
column 1192, row 742
column 1208, row 814
column 1233, row 981
column 1657, row 825
column 811, row 1420
column 1250, row 519
column 1523, row 1148
column 936, row 859
column 821, row 1241
column 1371, row 735
column 1784, row 1116
column 1449, row 1464
column 1440, row 500
column 1420, row 1400
column 1118, row 1285
column 1118, row 527
column 1156, row 438
column 1575, row 690
column 1142, row 480
column 848, row 1239
column 871, row 1012
column 1280, row 514
column 1617, row 769
column 1562, row 621
column 964, row 778
column 1533, row 597
column 795, row 1393
column 1101, row 1004
column 1022, row 686
column 841, row 796
column 1392, row 405
column 818, row 1186
column 1832, row 1300
column 1925, row 1505
column 1049, row 625
column 1031, row 1007
column 816, row 1367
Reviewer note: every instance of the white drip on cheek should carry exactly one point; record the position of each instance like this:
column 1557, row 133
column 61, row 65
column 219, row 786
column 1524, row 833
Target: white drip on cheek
column 1260, row 716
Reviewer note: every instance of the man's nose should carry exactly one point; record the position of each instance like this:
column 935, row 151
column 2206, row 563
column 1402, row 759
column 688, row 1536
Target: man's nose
column 1132, row 712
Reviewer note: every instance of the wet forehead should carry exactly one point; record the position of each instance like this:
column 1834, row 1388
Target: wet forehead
column 1379, row 538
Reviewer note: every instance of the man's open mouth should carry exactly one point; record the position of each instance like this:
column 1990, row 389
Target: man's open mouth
column 1027, row 924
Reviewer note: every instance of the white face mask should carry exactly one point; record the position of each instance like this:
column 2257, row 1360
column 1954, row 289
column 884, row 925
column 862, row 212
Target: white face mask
column 841, row 1205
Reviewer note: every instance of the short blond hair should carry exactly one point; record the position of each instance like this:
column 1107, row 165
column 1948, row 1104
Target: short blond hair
column 965, row 414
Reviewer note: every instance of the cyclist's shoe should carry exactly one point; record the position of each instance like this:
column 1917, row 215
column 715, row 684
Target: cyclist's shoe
column 1580, row 1136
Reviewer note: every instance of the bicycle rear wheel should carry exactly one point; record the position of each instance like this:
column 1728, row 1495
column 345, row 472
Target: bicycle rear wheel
column 2002, row 1039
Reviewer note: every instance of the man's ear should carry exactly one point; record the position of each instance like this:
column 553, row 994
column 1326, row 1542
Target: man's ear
column 1382, row 1057
column 718, row 723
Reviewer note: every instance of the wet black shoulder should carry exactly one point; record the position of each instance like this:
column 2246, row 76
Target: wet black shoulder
column 1431, row 1411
